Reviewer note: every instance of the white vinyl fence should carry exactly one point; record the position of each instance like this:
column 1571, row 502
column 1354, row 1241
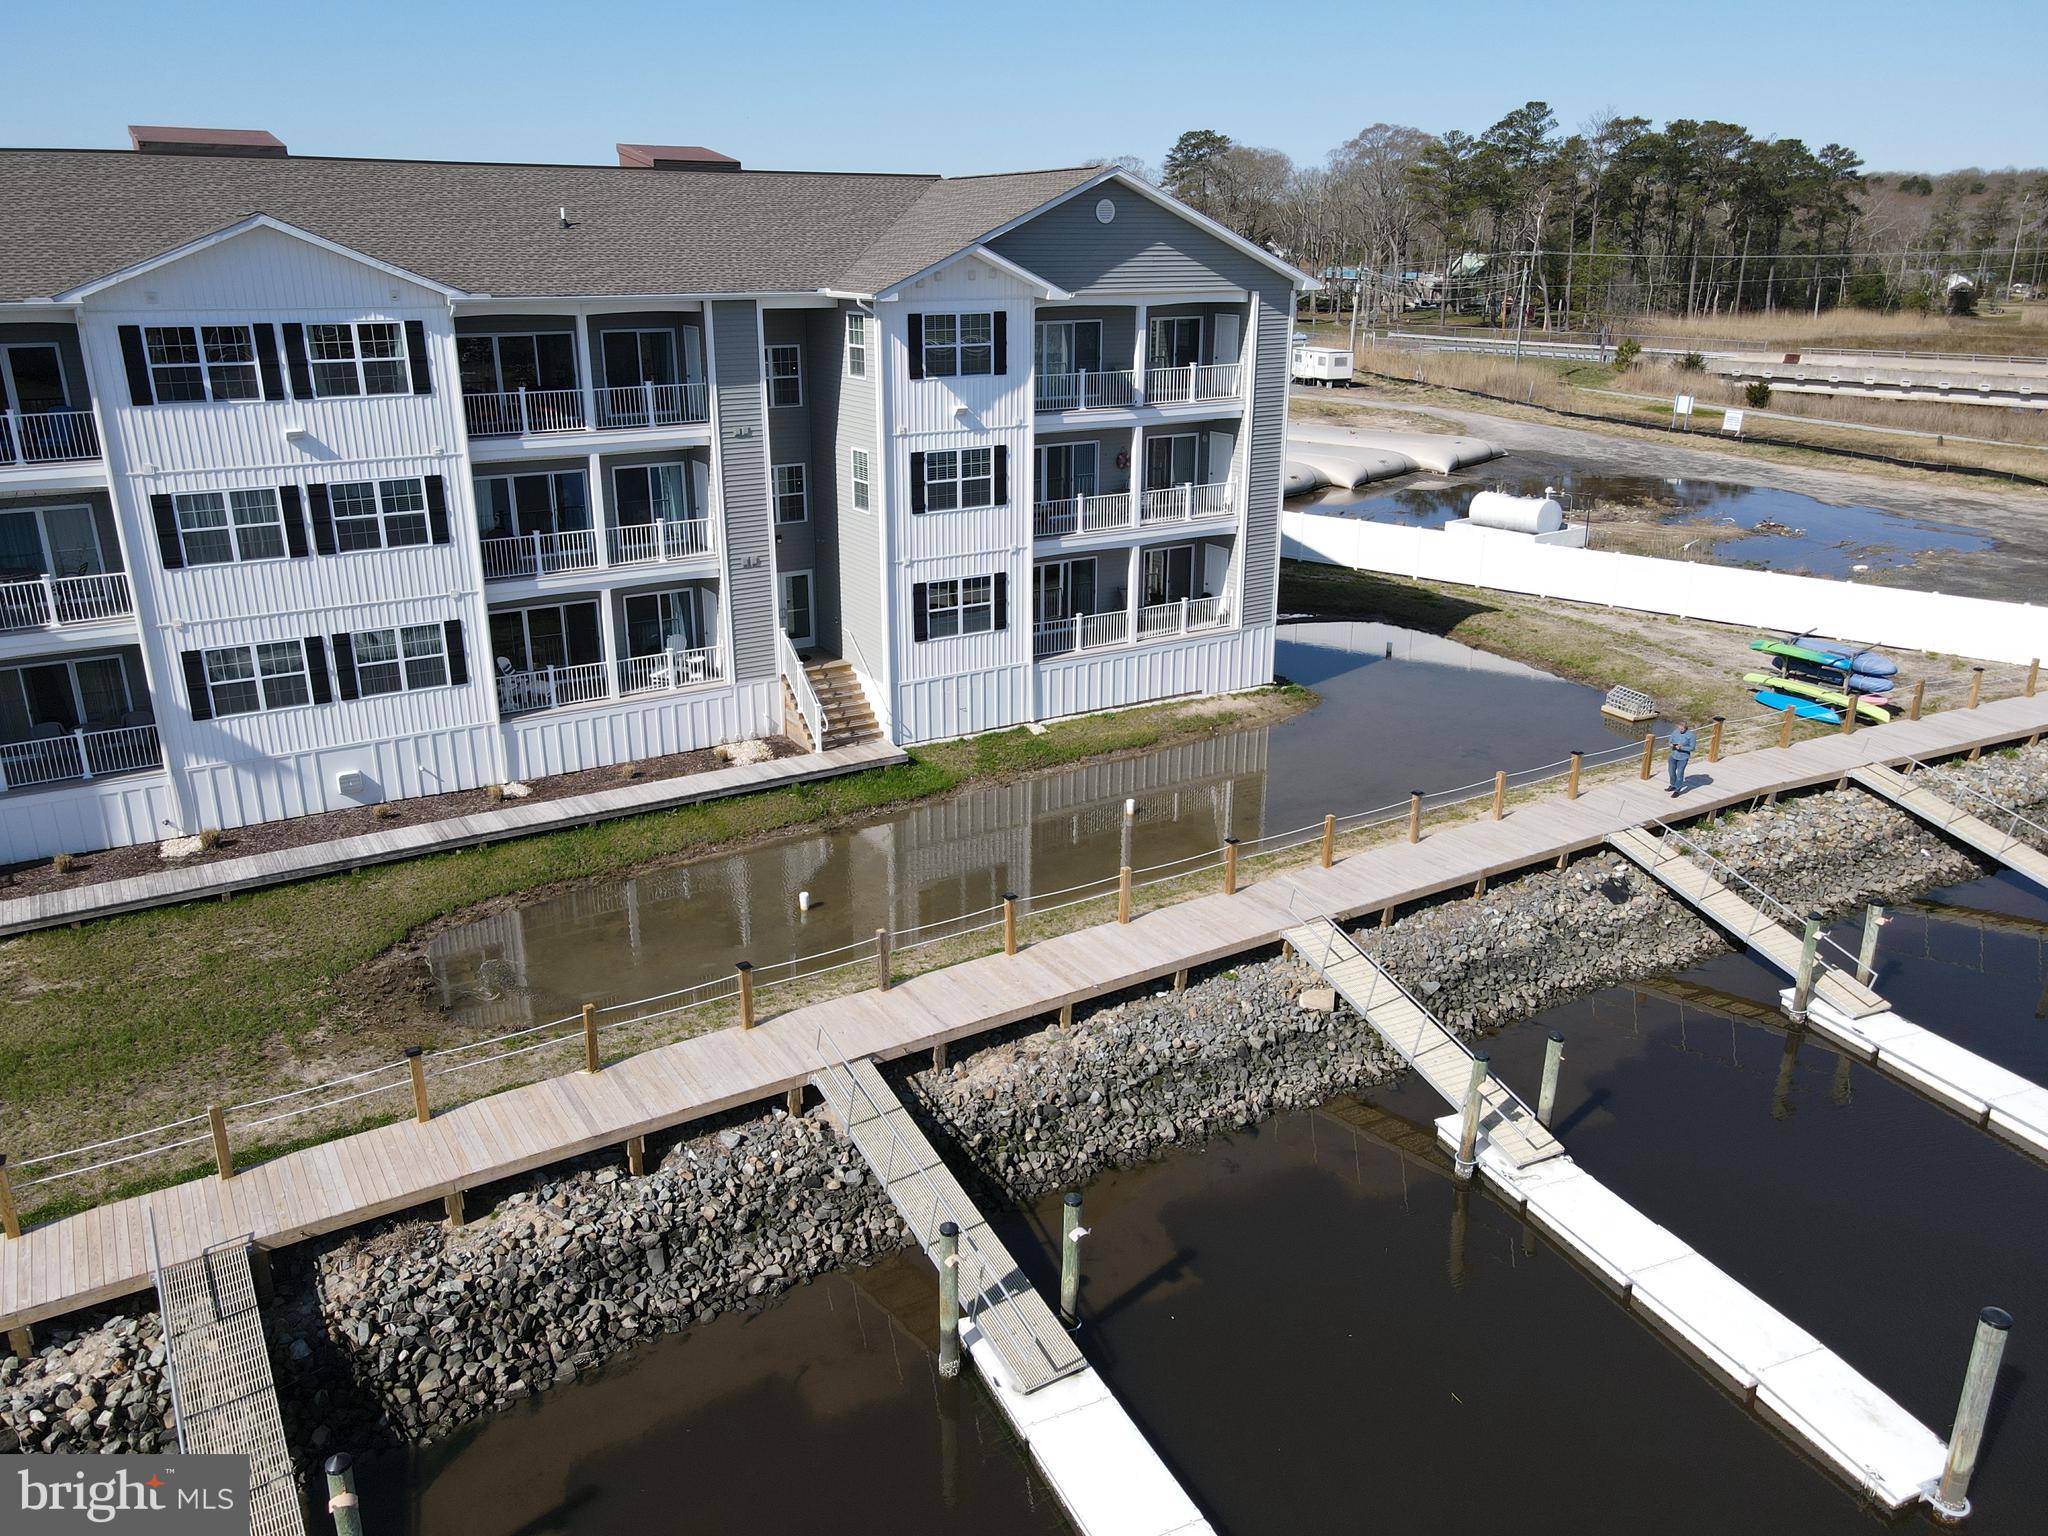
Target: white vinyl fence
column 1858, row 612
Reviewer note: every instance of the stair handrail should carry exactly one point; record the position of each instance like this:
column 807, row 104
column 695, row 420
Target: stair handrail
column 2012, row 814
column 800, row 689
column 1728, row 874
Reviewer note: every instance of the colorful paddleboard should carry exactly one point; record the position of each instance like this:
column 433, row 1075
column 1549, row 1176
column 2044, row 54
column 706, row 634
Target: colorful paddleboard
column 1834, row 677
column 1865, row 709
column 1783, row 702
column 1867, row 662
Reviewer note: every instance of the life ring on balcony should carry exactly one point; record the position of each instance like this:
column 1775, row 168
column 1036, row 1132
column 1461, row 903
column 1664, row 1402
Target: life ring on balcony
column 1123, row 459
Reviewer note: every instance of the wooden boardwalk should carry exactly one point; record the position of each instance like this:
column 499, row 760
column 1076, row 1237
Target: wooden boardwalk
column 1035, row 1350
column 1706, row 892
column 176, row 883
column 1438, row 1056
column 98, row 1255
column 221, row 1385
column 1914, row 797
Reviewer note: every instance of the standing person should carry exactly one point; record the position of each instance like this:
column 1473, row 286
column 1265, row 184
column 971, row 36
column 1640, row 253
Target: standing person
column 1682, row 743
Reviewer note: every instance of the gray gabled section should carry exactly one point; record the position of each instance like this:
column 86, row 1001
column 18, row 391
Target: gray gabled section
column 743, row 488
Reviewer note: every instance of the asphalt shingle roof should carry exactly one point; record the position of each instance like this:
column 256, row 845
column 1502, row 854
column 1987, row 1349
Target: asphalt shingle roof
column 69, row 216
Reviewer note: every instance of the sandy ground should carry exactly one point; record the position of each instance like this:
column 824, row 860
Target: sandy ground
column 2016, row 569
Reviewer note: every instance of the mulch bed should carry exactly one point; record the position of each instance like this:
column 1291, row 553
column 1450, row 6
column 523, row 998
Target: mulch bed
column 268, row 837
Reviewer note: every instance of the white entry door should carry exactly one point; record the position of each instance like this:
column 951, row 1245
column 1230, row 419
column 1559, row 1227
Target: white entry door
column 798, row 621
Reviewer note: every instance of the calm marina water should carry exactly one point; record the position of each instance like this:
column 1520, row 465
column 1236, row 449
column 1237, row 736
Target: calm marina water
column 1320, row 1331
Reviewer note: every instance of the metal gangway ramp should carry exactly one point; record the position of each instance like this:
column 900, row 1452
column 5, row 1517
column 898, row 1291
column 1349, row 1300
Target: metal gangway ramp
column 222, row 1392
column 1708, row 885
column 1442, row 1060
column 1034, row 1349
column 1978, row 828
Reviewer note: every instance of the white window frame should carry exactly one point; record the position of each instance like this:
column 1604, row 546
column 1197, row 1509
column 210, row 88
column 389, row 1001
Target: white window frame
column 258, row 659
column 40, row 511
column 231, row 506
column 959, row 482
column 410, row 644
column 857, row 321
column 794, row 377
column 780, row 494
column 203, row 338
column 863, row 484
column 957, row 346
column 385, row 515
column 961, row 607
column 357, row 362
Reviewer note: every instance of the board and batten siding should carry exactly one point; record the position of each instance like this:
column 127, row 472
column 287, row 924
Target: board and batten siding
column 743, row 486
column 1226, row 661
column 74, row 818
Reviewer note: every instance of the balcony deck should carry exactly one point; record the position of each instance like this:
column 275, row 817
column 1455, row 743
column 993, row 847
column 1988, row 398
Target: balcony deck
column 1122, row 511
column 29, row 438
column 1121, row 389
column 551, row 414
column 532, row 556
column 66, row 602
column 596, row 682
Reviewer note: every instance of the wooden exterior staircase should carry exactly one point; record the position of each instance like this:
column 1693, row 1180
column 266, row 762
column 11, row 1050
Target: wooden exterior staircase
column 848, row 716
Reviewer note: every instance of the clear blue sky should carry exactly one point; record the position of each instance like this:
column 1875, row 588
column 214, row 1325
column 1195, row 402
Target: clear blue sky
column 901, row 85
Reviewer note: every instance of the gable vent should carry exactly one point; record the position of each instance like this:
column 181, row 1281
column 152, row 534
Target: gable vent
column 675, row 157
column 242, row 143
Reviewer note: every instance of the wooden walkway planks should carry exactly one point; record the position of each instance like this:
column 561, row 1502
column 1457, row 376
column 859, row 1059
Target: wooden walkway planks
column 175, row 883
column 1914, row 797
column 1035, row 1350
column 1708, row 894
column 48, row 1271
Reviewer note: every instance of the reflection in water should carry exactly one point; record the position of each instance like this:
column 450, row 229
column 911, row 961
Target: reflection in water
column 1400, row 710
column 1829, row 542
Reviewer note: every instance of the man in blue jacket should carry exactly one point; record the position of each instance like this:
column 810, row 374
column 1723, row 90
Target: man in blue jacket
column 1682, row 743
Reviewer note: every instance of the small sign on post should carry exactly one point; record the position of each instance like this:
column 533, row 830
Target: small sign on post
column 1681, row 409
column 1731, row 423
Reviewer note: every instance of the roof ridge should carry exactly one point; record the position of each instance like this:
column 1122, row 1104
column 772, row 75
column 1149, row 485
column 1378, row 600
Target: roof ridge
column 455, row 165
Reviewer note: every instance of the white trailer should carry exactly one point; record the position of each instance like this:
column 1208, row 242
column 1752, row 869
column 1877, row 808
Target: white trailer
column 1326, row 366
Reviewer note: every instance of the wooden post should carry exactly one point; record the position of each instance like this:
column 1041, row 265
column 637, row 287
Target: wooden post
column 1785, row 728
column 1387, row 915
column 745, row 971
column 1649, row 754
column 415, row 1060
column 1071, row 1233
column 1500, row 794
column 10, row 1218
column 1803, row 978
column 1230, row 866
column 1951, row 1499
column 636, row 1155
column 1866, row 957
column 591, row 1062
column 939, row 1056
column 1009, row 922
column 793, row 1101
column 341, row 1495
column 1123, row 894
column 1976, row 686
column 1066, row 1015
column 1919, row 693
column 948, row 1260
column 1180, row 979
column 1329, row 841
column 217, row 1122
column 456, row 1207
column 1571, row 782
column 1414, row 815
column 1714, row 740
column 882, row 958
column 1468, row 1128
column 1553, row 1055
column 1849, row 716
column 2033, row 677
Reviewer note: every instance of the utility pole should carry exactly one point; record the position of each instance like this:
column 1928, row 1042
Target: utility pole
column 1522, row 304
column 2019, row 224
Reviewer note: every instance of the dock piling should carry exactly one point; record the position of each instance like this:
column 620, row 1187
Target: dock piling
column 1071, row 1233
column 1414, row 815
column 1951, row 1499
column 1809, row 956
column 1919, row 694
column 1329, row 852
column 223, row 1158
column 1649, row 754
column 1976, row 686
column 882, row 958
column 1500, row 794
column 744, row 969
column 10, row 1218
column 949, row 1299
column 2033, row 677
column 341, row 1495
column 1468, row 1130
column 1009, row 922
column 1714, row 739
column 1571, row 782
column 1785, row 729
column 415, row 1060
column 1849, row 716
column 1546, row 1100
column 1230, row 866
column 1866, row 957
column 592, row 1062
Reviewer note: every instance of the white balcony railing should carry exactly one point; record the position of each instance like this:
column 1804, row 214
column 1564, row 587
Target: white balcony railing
column 524, row 412
column 652, row 543
column 666, row 671
column 47, row 437
column 1186, row 503
column 1181, row 386
column 1083, row 514
column 652, row 405
column 521, row 693
column 1100, row 390
column 46, row 602
column 1156, row 621
column 538, row 554
column 78, row 755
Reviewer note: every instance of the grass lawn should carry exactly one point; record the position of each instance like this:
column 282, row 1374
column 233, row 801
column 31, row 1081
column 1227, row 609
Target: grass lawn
column 136, row 1020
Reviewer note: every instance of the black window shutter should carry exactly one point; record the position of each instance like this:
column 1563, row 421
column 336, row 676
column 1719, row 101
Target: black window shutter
column 294, row 521
column 437, row 509
column 1002, row 473
column 416, row 355
column 916, row 323
column 136, row 359
column 295, row 359
column 1002, row 599
column 164, row 512
column 345, row 666
column 916, row 481
column 323, row 519
column 316, row 670
column 1002, row 341
column 266, row 362
column 458, row 658
column 195, row 686
column 920, row 624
